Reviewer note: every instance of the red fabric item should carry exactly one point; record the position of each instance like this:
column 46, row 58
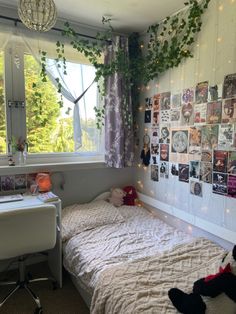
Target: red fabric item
column 222, row 270
column 131, row 195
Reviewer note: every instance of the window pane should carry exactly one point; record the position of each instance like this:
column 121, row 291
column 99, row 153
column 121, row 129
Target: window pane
column 49, row 127
column 2, row 108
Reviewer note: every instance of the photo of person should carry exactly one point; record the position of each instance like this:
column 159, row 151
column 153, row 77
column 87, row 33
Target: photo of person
column 156, row 102
column 194, row 169
column 154, row 173
column 184, row 173
column 188, row 95
column 164, row 170
column 165, row 135
column 201, row 92
column 20, row 181
column 165, row 101
column 7, row 183
column 147, row 116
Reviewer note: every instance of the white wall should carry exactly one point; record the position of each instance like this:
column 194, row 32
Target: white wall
column 214, row 57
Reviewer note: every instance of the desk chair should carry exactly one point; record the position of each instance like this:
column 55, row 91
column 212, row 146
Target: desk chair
column 25, row 231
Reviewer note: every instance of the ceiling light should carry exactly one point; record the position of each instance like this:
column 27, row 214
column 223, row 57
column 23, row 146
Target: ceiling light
column 38, row 15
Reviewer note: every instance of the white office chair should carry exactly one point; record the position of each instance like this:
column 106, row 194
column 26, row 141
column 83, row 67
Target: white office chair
column 25, row 231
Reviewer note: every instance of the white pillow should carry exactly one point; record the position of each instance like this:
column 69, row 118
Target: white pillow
column 81, row 217
column 104, row 196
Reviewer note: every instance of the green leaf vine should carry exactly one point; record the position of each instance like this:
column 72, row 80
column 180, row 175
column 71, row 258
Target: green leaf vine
column 168, row 45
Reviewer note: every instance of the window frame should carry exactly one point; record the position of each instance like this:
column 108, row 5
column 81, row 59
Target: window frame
column 14, row 85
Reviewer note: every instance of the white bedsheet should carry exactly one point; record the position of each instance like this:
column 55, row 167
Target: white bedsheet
column 87, row 254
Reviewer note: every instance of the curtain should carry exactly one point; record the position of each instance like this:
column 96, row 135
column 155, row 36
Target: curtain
column 119, row 151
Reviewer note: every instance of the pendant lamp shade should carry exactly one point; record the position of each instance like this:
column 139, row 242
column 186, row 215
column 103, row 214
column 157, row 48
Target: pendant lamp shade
column 38, row 15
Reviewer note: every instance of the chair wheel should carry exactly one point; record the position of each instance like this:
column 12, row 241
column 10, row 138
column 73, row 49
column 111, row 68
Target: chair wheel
column 39, row 310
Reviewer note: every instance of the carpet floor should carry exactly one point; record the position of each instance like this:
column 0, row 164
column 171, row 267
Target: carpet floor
column 60, row 301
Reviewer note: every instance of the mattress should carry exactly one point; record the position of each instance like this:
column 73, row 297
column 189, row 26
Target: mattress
column 141, row 235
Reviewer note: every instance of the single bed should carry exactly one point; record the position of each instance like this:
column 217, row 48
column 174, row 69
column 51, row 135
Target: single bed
column 124, row 260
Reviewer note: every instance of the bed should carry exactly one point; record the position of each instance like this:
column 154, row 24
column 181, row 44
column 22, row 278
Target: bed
column 124, row 260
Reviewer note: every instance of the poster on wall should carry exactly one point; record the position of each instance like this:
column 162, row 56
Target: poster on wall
column 195, row 136
column 226, row 135
column 219, row 183
column 201, row 92
column 215, row 92
column 209, row 137
column 175, row 116
column 214, row 110
column 229, row 111
column 164, row 135
column 229, row 86
column 20, row 181
column 206, row 155
column 176, row 102
column 148, row 103
column 174, row 169
column 232, row 186
column 156, row 102
column 164, row 170
column 188, row 95
column 164, row 152
column 220, row 161
column 179, row 145
column 187, row 115
column 196, row 188
column 194, row 169
column 147, row 116
column 231, row 169
column 155, row 135
column 155, row 118
column 154, row 173
column 165, row 101
column 206, row 172
column 165, row 116
column 7, row 183
column 154, row 149
column 184, row 173
column 200, row 113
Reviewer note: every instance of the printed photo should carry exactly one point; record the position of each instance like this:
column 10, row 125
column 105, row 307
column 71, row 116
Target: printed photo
column 174, row 170
column 195, row 136
column 165, row 116
column 154, row 149
column 220, row 161
column 20, row 181
column 156, row 102
column 232, row 162
column 201, row 93
column 155, row 118
column 206, row 155
column 196, row 188
column 175, row 116
column 165, row 135
column 200, row 113
column 188, row 95
column 165, row 101
column 229, row 86
column 147, row 116
column 164, row 170
column 154, row 173
column 194, row 169
column 215, row 92
column 206, row 172
column 187, row 116
column 226, row 134
column 232, row 186
column 8, row 183
column 176, row 102
column 148, row 103
column 184, row 172
column 164, row 152
column 209, row 137
column 155, row 136
column 179, row 141
column 219, row 183
column 229, row 111
column 214, row 110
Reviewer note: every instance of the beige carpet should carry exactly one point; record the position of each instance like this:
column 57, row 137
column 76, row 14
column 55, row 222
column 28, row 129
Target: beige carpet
column 60, row 301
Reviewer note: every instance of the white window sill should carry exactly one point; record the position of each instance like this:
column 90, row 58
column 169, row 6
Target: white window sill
column 51, row 166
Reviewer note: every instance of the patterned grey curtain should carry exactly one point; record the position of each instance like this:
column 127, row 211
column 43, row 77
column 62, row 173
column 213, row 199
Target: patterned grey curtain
column 119, row 152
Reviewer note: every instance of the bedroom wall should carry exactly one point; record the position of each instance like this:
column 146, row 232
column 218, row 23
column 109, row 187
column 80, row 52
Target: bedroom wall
column 214, row 57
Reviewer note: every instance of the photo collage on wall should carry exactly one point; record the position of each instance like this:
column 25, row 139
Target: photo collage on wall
column 17, row 182
column 193, row 136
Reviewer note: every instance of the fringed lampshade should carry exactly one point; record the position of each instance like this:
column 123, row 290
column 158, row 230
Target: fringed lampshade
column 38, row 15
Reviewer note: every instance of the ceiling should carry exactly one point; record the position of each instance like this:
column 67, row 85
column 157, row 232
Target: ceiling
column 127, row 15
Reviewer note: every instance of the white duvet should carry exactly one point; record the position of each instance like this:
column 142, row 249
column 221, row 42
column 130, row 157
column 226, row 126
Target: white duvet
column 90, row 252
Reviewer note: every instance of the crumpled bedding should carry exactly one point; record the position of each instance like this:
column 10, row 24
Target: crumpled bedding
column 141, row 286
column 89, row 253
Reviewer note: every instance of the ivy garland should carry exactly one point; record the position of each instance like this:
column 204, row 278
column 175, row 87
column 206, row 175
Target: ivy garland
column 169, row 43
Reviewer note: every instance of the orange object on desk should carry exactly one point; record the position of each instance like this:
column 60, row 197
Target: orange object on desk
column 43, row 181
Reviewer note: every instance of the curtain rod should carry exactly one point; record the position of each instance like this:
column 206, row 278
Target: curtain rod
column 15, row 20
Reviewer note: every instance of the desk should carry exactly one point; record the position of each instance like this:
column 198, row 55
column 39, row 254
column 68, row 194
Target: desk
column 55, row 254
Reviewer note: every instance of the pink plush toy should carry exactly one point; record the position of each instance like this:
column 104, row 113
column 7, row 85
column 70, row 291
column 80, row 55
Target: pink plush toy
column 116, row 197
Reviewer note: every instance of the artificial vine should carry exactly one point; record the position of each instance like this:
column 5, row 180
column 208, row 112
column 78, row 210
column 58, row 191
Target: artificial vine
column 169, row 43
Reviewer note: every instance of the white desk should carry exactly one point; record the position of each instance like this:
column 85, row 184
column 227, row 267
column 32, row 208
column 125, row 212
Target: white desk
column 55, row 254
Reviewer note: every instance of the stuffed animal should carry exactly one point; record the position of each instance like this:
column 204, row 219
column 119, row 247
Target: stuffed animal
column 214, row 294
column 116, row 197
column 130, row 195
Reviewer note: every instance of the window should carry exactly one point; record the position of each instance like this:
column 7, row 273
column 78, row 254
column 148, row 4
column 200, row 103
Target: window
column 36, row 114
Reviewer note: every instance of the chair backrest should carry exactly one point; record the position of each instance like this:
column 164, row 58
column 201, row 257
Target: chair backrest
column 27, row 230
